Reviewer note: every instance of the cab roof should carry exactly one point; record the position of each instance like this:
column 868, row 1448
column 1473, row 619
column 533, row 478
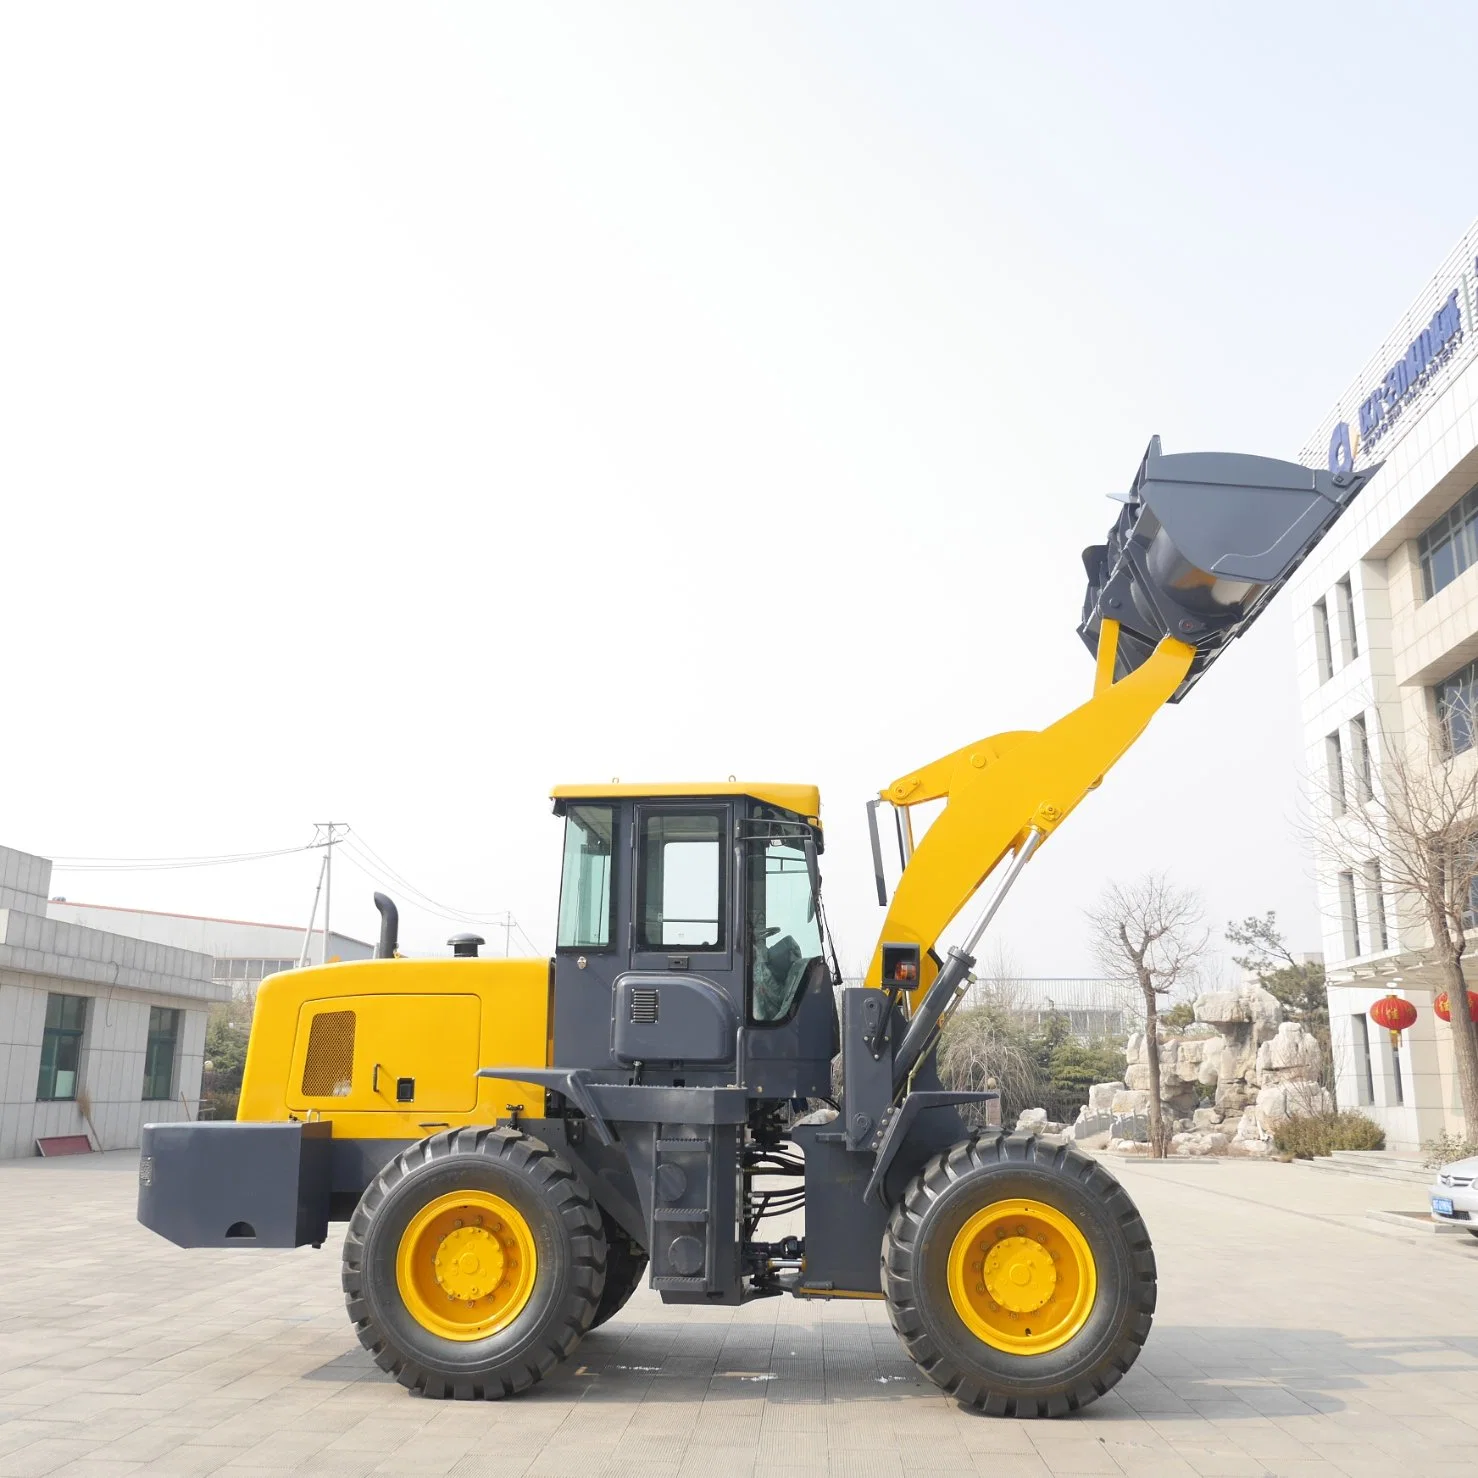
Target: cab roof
column 803, row 800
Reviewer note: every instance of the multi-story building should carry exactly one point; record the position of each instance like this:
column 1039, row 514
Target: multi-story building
column 100, row 1031
column 1386, row 621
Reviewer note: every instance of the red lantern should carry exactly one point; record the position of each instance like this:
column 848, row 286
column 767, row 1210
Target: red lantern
column 1443, row 1007
column 1395, row 1015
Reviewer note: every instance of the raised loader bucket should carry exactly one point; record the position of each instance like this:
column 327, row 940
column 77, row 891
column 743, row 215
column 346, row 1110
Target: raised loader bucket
column 1204, row 541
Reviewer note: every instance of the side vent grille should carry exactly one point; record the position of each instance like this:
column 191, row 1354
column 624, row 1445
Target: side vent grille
column 329, row 1068
column 644, row 1007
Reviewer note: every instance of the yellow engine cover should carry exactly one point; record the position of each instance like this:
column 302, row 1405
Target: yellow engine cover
column 389, row 1049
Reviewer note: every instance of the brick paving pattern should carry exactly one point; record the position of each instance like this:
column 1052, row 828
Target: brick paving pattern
column 1293, row 1338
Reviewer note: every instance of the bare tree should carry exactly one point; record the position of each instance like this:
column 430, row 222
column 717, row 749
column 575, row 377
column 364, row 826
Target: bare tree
column 1414, row 817
column 1149, row 934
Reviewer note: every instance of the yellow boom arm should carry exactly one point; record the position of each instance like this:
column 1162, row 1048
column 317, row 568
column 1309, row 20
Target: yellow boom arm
column 999, row 788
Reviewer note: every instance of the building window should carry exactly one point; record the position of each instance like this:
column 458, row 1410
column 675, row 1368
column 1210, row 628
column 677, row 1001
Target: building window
column 164, row 1035
column 1470, row 913
column 1335, row 763
column 1457, row 697
column 1349, row 917
column 1449, row 545
column 1344, row 611
column 1360, row 759
column 1376, row 895
column 61, row 1048
column 1396, row 1076
column 1364, row 1073
column 1323, row 652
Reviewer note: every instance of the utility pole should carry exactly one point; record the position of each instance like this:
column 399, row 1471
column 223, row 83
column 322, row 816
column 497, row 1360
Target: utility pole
column 507, row 933
column 325, row 835
column 312, row 916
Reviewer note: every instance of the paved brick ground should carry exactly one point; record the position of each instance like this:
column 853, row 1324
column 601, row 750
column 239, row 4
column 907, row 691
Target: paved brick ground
column 1292, row 1340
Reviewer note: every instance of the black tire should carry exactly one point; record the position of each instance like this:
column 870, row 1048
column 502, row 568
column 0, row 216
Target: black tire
column 916, row 1248
column 625, row 1265
column 571, row 1264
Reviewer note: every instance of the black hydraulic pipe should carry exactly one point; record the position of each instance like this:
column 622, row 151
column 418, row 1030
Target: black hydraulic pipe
column 389, row 928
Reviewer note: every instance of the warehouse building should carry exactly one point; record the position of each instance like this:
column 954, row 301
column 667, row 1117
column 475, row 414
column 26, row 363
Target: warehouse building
column 1386, row 622
column 100, row 1031
column 242, row 954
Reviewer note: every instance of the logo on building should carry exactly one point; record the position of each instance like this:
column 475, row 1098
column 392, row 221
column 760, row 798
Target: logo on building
column 1380, row 410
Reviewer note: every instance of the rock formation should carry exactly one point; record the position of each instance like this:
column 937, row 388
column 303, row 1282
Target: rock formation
column 1226, row 1082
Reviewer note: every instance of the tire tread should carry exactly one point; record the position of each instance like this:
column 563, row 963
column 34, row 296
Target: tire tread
column 533, row 1161
column 901, row 1273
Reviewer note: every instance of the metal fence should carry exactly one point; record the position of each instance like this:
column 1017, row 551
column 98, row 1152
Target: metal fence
column 1092, row 1007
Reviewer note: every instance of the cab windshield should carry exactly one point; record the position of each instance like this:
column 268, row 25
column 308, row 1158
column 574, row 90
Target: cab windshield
column 784, row 932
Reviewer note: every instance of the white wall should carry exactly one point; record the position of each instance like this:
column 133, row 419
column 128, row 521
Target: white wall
column 24, row 880
column 1425, row 1067
column 111, row 1066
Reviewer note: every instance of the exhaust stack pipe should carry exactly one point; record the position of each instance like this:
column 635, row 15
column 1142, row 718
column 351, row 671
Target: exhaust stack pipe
column 1205, row 540
column 389, row 928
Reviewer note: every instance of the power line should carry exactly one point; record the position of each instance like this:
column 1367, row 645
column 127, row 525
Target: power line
column 353, row 848
column 357, row 851
column 417, row 899
column 166, row 864
column 372, row 859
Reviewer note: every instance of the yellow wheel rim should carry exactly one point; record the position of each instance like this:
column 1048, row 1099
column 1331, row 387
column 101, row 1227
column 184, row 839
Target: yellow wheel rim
column 466, row 1265
column 1022, row 1277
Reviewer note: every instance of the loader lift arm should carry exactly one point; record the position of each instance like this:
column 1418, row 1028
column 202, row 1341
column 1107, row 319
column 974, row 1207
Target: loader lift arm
column 1000, row 788
column 1202, row 544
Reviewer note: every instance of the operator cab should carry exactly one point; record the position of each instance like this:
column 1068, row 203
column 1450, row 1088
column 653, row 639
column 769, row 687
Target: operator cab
column 691, row 944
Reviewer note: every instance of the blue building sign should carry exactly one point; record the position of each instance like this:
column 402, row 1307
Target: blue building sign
column 1426, row 353
column 1429, row 349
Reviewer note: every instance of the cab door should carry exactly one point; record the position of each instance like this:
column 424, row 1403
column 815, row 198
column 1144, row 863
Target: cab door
column 681, row 913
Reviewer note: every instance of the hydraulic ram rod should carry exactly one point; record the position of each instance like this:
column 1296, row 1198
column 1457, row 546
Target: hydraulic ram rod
column 955, row 975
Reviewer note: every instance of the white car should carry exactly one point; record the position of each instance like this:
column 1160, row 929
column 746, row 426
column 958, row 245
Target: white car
column 1454, row 1194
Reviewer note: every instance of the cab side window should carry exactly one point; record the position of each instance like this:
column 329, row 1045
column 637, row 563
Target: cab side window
column 586, row 886
column 681, row 873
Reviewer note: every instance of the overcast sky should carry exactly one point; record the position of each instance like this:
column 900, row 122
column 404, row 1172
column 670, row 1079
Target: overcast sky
column 403, row 410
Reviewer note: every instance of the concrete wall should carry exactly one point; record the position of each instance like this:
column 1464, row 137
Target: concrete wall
column 111, row 1067
column 121, row 978
column 24, row 881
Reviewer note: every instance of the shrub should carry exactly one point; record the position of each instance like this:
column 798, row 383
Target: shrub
column 1178, row 1017
column 988, row 1046
column 1073, row 1068
column 1322, row 1134
column 1033, row 1064
column 220, row 1104
column 1445, row 1149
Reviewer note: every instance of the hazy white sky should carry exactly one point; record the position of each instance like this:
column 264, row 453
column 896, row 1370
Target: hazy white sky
column 405, row 409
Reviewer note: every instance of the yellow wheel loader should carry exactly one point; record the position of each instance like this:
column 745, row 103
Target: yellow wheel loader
column 516, row 1145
